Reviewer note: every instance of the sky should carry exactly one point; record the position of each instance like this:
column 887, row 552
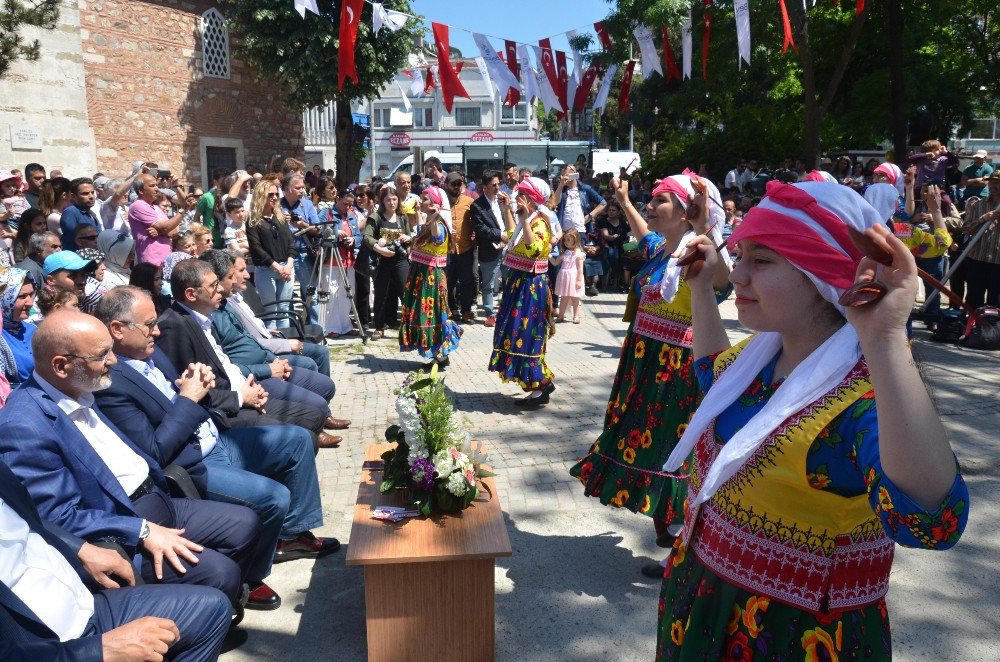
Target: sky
column 525, row 21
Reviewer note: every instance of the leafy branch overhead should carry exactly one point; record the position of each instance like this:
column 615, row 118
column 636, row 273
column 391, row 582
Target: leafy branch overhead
column 301, row 54
column 17, row 14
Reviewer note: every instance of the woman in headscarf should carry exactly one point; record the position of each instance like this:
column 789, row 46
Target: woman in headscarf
column 117, row 248
column 16, row 358
column 524, row 320
column 425, row 326
column 654, row 392
column 815, row 449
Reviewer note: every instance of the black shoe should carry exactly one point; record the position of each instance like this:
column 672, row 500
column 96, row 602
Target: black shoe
column 305, row 546
column 551, row 386
column 443, row 363
column 665, row 540
column 533, row 403
column 592, row 291
column 653, row 571
column 234, row 639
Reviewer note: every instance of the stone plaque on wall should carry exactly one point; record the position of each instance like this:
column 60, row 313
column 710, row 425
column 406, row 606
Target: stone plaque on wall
column 25, row 137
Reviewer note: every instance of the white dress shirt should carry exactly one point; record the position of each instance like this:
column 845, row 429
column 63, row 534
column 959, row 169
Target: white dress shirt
column 130, row 469
column 233, row 373
column 208, row 434
column 42, row 578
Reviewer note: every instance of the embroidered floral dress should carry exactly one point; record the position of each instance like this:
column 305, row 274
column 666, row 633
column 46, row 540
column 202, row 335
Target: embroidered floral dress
column 424, row 324
column 523, row 324
column 703, row 616
column 652, row 398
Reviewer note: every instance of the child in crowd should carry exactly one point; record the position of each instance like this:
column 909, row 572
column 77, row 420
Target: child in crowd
column 14, row 203
column 234, row 236
column 569, row 282
column 184, row 243
column 932, row 162
column 53, row 298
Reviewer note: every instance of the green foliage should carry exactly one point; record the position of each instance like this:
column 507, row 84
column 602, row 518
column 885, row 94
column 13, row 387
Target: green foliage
column 436, row 413
column 302, row 53
column 39, row 13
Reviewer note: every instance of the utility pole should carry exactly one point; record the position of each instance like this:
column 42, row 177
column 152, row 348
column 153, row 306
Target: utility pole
column 631, row 125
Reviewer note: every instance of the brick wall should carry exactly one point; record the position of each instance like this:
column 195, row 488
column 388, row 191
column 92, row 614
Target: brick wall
column 147, row 97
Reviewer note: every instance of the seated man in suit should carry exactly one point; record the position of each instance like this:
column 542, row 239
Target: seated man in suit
column 186, row 337
column 300, row 354
column 88, row 478
column 52, row 606
column 275, row 374
column 167, row 422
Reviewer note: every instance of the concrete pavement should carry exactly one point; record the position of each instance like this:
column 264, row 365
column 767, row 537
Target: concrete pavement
column 572, row 590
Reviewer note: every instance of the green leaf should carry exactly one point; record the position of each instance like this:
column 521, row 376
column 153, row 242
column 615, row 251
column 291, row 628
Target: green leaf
column 483, row 473
column 388, row 484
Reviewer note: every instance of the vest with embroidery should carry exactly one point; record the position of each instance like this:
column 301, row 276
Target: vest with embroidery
column 768, row 531
column 668, row 322
column 533, row 258
column 431, row 253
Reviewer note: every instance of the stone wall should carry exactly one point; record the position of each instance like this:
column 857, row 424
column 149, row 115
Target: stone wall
column 148, row 99
column 47, row 97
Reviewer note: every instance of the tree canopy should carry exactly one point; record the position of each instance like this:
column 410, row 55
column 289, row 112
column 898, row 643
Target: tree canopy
column 13, row 46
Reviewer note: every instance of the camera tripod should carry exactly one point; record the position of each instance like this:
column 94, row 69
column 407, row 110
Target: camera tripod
column 321, row 276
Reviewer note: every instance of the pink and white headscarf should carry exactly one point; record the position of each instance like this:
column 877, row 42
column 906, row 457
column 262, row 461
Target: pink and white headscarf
column 895, row 175
column 538, row 191
column 806, row 224
column 820, row 176
column 440, row 198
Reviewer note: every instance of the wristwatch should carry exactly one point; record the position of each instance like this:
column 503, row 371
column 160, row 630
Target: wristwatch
column 144, row 531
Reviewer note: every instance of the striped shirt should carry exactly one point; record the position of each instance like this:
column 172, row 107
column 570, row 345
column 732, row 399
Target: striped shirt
column 987, row 249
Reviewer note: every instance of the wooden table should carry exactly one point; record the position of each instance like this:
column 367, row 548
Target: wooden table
column 428, row 581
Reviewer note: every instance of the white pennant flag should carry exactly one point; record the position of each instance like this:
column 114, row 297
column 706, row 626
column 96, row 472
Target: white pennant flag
column 394, row 20
column 602, row 94
column 686, row 46
column 742, row 10
column 481, row 63
column 650, row 60
column 577, row 77
column 498, row 71
column 417, row 86
column 406, row 99
column 528, row 77
column 549, row 97
column 302, row 5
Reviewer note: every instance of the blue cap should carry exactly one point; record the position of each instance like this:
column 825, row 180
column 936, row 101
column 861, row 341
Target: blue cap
column 64, row 260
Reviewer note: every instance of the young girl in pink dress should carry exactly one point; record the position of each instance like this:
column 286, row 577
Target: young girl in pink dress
column 569, row 282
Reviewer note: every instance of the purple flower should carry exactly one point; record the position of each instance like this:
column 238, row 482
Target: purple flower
column 422, row 473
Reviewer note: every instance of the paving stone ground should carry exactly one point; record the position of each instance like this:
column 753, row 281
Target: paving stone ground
column 572, row 590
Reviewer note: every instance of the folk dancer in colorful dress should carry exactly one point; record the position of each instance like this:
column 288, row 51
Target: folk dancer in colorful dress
column 524, row 320
column 815, row 449
column 425, row 326
column 654, row 391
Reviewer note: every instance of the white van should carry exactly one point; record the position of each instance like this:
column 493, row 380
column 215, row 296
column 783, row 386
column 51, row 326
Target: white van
column 448, row 159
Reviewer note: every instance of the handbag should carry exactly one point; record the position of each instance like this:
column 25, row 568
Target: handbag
column 982, row 331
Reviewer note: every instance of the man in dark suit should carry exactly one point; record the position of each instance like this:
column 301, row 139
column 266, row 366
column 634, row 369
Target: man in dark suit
column 272, row 469
column 52, row 606
column 490, row 220
column 277, row 375
column 186, row 337
column 87, row 477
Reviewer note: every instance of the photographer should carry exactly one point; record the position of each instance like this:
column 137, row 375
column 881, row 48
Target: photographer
column 393, row 265
column 301, row 213
column 343, row 236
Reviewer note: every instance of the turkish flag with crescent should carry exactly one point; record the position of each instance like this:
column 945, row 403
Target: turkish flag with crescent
column 451, row 86
column 549, row 64
column 350, row 16
column 602, row 33
column 668, row 56
column 706, row 19
column 563, row 90
column 583, row 91
column 626, row 87
column 513, row 95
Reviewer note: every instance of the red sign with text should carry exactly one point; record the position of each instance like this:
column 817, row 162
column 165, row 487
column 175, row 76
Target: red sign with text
column 399, row 140
column 481, row 137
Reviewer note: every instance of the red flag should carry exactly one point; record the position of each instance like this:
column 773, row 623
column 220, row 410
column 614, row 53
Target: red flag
column 429, row 83
column 860, row 7
column 668, row 57
column 583, row 90
column 549, row 64
column 626, row 86
column 458, row 67
column 787, row 25
column 563, row 91
column 451, row 86
column 350, row 16
column 602, row 34
column 511, row 48
column 706, row 37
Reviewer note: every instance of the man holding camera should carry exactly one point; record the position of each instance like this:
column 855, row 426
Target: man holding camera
column 302, row 216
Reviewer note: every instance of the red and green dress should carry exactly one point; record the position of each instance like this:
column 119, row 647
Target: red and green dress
column 652, row 399
column 424, row 324
column 790, row 558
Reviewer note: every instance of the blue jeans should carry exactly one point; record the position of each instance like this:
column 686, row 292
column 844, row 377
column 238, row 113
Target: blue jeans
column 201, row 614
column 935, row 267
column 489, row 272
column 304, row 266
column 271, row 469
column 271, row 288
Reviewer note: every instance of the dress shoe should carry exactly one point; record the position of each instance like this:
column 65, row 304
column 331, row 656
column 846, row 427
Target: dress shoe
column 469, row 317
column 551, row 386
column 263, row 598
column 653, row 571
column 443, row 363
column 532, row 403
column 665, row 540
column 332, row 423
column 325, row 440
column 305, row 546
column 592, row 291
column 491, row 320
column 234, row 639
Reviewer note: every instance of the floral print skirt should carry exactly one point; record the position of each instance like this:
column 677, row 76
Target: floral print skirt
column 653, row 396
column 522, row 330
column 703, row 617
column 424, row 324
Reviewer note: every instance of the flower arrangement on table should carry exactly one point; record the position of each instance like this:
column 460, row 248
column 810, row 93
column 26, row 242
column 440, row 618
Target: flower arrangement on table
column 433, row 459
